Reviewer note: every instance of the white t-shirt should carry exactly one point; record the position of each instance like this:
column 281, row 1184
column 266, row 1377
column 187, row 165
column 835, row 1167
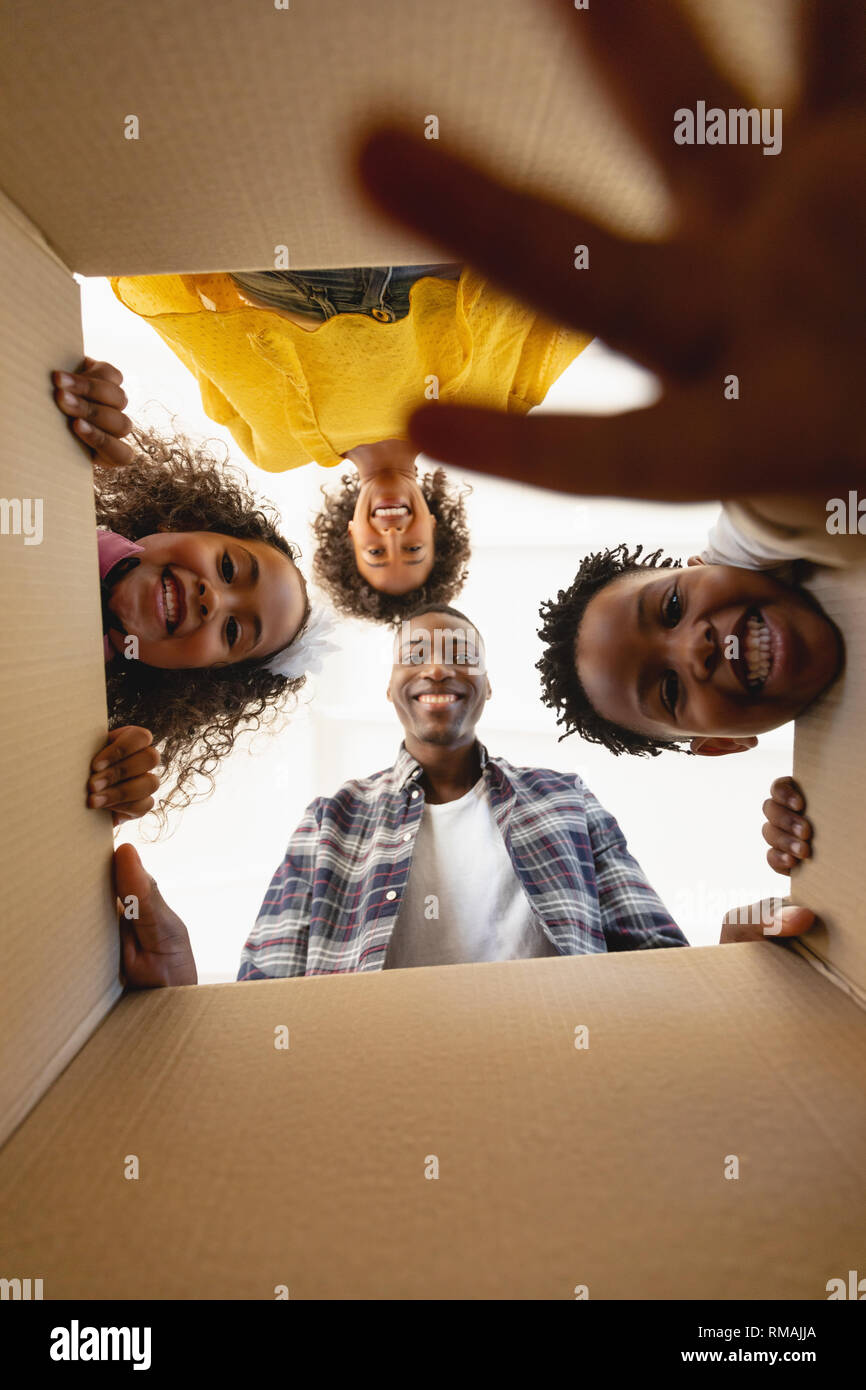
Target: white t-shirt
column 728, row 544
column 463, row 901
column 781, row 531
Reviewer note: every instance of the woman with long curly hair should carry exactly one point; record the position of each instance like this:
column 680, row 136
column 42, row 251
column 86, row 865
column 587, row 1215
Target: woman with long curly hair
column 326, row 366
column 203, row 603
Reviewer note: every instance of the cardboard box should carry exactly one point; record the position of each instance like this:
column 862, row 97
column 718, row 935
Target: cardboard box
column 307, row 1167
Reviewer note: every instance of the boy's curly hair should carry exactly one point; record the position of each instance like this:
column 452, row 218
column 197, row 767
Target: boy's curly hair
column 195, row 715
column 561, row 618
column 334, row 561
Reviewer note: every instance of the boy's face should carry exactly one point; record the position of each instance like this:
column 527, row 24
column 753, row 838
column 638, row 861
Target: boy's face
column 197, row 598
column 392, row 533
column 712, row 651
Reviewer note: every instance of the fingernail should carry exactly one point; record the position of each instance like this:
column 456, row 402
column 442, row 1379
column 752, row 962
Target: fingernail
column 98, row 800
column 97, row 767
column 64, row 379
column 794, row 803
column 84, row 427
column 68, row 398
column 796, row 847
column 99, row 784
column 799, row 828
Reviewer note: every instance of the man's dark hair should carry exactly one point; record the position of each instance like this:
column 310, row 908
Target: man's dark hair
column 441, row 608
column 561, row 618
column 334, row 564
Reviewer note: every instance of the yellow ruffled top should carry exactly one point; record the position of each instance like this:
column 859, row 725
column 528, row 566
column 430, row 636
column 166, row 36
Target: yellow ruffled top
column 290, row 396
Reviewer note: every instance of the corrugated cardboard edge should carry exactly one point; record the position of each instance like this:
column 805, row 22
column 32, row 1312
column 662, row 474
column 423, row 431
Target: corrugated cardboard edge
column 858, row 996
column 29, row 1099
column 21, row 222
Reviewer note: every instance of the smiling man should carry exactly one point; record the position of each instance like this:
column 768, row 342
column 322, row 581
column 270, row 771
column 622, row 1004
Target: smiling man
column 451, row 855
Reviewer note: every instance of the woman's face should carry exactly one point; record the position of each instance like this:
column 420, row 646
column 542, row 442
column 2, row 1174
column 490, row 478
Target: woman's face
column 197, row 598
column 392, row 533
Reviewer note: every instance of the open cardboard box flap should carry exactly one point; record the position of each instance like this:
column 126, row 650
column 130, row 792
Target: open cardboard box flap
column 558, row 1166
column 247, row 113
column 830, row 765
column 58, row 943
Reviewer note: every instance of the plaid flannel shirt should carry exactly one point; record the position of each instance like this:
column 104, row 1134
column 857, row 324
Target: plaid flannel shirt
column 333, row 902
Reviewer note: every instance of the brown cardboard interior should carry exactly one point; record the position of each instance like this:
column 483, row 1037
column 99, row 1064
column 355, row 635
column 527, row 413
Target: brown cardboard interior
column 558, row 1166
column 829, row 765
column 246, row 114
column 58, row 946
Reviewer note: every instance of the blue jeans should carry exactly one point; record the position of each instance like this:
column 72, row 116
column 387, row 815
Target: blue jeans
column 380, row 292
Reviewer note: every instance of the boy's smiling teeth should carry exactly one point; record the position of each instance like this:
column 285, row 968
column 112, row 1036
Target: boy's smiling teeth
column 391, row 511
column 757, row 651
column 448, row 699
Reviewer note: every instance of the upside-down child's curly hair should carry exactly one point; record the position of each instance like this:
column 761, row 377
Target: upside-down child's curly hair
column 561, row 618
column 334, row 561
column 194, row 715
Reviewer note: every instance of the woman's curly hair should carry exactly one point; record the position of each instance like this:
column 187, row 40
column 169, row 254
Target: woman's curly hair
column 561, row 618
column 334, row 561
column 194, row 716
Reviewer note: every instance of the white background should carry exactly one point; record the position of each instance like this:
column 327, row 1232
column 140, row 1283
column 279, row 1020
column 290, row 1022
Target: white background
column 694, row 824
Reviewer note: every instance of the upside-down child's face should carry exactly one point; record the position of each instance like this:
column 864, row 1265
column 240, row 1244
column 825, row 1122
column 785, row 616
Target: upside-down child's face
column 392, row 533
column 198, row 599
column 710, row 651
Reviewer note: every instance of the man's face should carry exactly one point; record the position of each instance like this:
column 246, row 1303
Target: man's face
column 392, row 533
column 198, row 598
column 711, row 650
column 439, row 683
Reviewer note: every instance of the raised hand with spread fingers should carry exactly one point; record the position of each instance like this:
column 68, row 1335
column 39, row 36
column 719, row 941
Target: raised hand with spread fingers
column 763, row 276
